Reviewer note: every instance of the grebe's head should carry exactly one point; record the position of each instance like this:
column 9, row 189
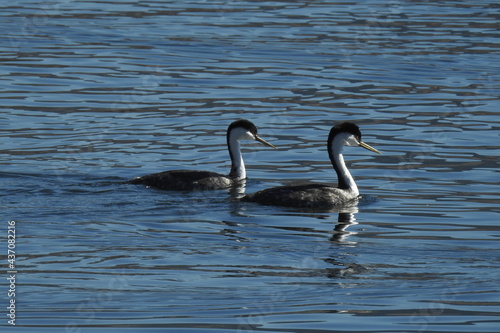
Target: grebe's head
column 349, row 134
column 244, row 130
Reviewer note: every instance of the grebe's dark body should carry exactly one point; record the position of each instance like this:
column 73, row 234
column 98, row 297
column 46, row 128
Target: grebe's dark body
column 303, row 196
column 185, row 180
column 188, row 180
column 321, row 195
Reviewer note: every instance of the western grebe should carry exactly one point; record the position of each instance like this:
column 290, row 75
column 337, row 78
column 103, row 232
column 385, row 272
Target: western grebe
column 186, row 180
column 320, row 195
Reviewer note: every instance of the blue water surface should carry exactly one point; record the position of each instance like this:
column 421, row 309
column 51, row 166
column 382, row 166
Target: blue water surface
column 97, row 92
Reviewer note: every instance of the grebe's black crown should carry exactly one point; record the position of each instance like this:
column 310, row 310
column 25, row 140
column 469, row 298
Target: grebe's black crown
column 246, row 124
column 345, row 127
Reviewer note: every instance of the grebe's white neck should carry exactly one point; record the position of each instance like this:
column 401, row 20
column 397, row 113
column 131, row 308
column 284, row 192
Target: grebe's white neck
column 346, row 182
column 237, row 165
column 237, row 134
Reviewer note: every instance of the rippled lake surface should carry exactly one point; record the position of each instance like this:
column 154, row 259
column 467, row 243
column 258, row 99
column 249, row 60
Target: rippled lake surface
column 96, row 92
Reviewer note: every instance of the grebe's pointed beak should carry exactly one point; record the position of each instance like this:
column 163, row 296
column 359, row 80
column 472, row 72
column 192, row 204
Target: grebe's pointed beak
column 366, row 146
column 258, row 138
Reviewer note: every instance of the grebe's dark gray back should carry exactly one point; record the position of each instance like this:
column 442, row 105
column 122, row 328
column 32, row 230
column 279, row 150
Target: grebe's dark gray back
column 186, row 180
column 320, row 195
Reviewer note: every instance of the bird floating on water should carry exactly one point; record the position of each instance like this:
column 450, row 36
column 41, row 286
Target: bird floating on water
column 320, row 195
column 187, row 180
